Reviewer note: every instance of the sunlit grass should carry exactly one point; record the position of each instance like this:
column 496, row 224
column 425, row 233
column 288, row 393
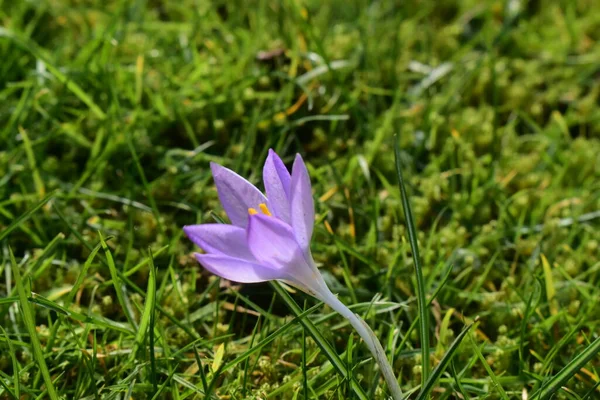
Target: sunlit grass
column 112, row 111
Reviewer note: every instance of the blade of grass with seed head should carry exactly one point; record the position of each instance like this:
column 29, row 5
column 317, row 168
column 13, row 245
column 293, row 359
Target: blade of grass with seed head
column 412, row 237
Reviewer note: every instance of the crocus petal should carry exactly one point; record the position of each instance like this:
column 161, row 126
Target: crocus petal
column 302, row 204
column 272, row 242
column 237, row 195
column 220, row 239
column 277, row 185
column 235, row 269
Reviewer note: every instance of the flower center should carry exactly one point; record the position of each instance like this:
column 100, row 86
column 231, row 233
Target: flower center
column 263, row 208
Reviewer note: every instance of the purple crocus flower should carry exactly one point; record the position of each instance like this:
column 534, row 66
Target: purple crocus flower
column 269, row 239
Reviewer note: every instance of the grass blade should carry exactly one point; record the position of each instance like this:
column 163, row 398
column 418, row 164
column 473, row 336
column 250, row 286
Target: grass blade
column 9, row 300
column 304, row 369
column 7, row 390
column 441, row 367
column 412, row 237
column 128, row 282
column 152, row 307
column 34, row 50
column 488, row 369
column 81, row 275
column 558, row 380
column 532, row 304
column 590, row 392
column 97, row 320
column 33, row 165
column 29, row 321
column 116, row 280
column 25, row 216
column 15, row 365
column 147, row 313
column 280, row 331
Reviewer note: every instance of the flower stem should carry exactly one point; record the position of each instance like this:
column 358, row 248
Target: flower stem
column 370, row 339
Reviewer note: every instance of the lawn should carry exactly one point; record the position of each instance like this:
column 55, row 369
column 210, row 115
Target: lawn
column 112, row 111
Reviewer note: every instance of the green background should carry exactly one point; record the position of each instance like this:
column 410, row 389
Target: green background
column 115, row 109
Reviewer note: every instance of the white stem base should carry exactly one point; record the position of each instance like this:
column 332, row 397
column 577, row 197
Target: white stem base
column 370, row 339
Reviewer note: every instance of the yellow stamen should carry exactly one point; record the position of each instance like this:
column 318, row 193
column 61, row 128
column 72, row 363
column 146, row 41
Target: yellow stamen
column 252, row 211
column 264, row 209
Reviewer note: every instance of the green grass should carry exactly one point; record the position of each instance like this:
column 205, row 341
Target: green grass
column 111, row 112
